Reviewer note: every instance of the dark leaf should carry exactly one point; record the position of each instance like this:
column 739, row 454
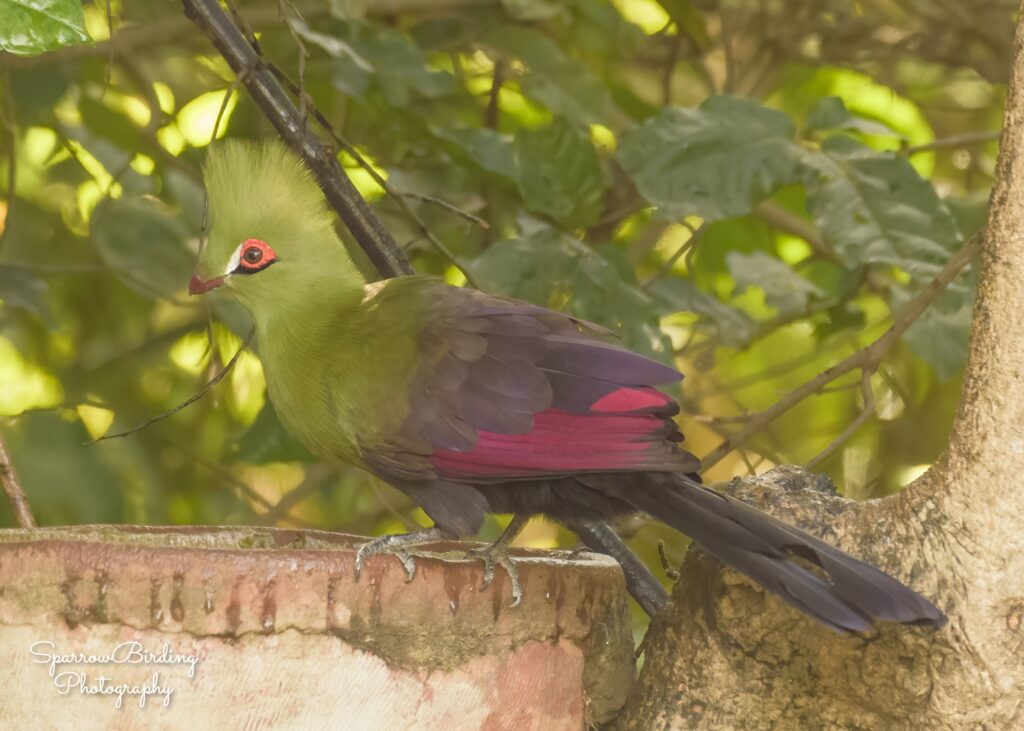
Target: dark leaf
column 873, row 207
column 716, row 161
column 560, row 173
column 145, row 245
column 784, row 289
column 558, row 81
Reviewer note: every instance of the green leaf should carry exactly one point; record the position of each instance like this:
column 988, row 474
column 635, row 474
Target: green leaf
column 266, row 440
column 558, row 81
column 387, row 58
column 830, row 113
column 940, row 335
column 485, row 149
column 144, row 244
column 558, row 271
column 716, row 161
column 873, row 207
column 31, row 27
column 677, row 294
column 560, row 173
column 784, row 289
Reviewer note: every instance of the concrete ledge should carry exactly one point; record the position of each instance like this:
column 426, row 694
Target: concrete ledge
column 283, row 636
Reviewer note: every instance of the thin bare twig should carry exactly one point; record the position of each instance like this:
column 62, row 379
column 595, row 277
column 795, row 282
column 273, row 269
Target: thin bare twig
column 866, row 413
column 686, row 249
column 450, row 207
column 492, row 114
column 867, row 357
column 964, row 140
column 314, row 479
column 187, row 402
column 670, row 571
column 777, row 216
column 12, row 486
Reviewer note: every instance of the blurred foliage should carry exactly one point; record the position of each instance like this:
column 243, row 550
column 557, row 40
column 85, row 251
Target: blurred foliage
column 748, row 188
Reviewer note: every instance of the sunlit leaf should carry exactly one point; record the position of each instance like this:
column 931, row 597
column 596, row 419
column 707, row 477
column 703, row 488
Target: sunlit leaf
column 30, row 27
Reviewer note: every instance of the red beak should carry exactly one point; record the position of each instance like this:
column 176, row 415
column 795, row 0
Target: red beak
column 198, row 286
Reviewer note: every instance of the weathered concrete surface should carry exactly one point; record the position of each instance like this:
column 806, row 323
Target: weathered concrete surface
column 284, row 637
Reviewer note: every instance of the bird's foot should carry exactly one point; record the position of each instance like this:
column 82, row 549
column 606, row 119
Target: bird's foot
column 497, row 555
column 398, row 545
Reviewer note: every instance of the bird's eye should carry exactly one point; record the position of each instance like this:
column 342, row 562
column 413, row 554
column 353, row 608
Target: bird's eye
column 251, row 256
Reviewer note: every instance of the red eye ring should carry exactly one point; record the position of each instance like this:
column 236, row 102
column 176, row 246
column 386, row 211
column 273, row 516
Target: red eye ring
column 254, row 256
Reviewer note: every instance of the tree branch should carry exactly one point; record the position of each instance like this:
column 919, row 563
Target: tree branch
column 970, row 138
column 867, row 357
column 12, row 486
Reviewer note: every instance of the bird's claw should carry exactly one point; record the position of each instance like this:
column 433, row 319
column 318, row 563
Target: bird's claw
column 497, row 555
column 385, row 545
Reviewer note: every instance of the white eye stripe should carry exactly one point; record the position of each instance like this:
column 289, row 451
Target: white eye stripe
column 235, row 260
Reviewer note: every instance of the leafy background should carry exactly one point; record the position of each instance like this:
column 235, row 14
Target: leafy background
column 749, row 189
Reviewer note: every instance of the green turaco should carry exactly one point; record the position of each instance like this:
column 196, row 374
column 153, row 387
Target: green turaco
column 472, row 403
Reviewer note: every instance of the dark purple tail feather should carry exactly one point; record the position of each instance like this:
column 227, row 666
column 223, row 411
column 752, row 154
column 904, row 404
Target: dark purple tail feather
column 849, row 597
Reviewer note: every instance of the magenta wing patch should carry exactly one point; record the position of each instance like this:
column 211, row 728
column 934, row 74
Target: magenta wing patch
column 626, row 430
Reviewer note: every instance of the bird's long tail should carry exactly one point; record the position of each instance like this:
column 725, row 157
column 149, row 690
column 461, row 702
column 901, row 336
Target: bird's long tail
column 816, row 578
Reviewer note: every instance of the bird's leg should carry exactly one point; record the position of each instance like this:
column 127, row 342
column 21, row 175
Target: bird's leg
column 496, row 554
column 399, row 545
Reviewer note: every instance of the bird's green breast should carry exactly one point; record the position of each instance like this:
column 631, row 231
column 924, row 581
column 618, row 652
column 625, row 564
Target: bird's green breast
column 338, row 371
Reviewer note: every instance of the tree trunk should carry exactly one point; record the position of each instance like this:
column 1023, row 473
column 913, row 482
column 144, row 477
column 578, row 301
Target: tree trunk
column 725, row 655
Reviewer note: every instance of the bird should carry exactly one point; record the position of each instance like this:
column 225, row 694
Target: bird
column 472, row 403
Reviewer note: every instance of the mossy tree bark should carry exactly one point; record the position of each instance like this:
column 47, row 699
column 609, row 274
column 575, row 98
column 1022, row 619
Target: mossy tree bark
column 727, row 656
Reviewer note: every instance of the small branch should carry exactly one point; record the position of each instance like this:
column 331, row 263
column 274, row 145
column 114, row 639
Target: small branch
column 964, row 140
column 670, row 67
column 670, row 571
column 188, row 402
column 866, row 413
column 598, row 536
column 686, row 249
column 12, row 486
column 492, row 114
column 310, row 485
column 777, row 216
column 450, row 207
column 866, row 358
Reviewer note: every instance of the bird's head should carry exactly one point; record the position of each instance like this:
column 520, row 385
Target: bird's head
column 272, row 237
